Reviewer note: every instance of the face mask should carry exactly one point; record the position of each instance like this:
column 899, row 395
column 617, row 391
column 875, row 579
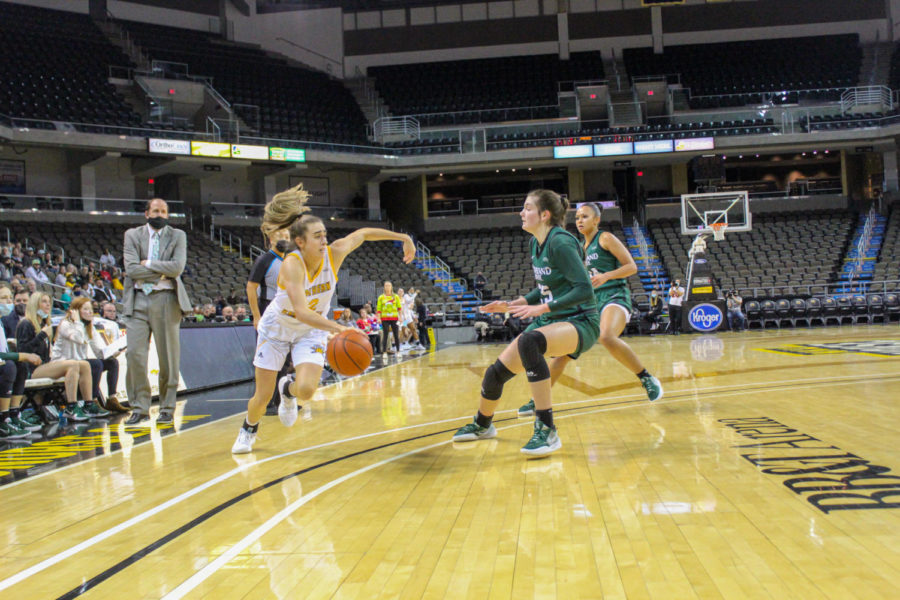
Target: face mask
column 20, row 310
column 5, row 309
column 282, row 246
column 157, row 222
column 41, row 314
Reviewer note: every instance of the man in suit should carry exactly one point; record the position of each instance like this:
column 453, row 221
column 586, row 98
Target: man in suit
column 154, row 301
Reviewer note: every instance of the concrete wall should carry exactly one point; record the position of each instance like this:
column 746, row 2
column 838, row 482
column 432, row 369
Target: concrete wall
column 490, row 221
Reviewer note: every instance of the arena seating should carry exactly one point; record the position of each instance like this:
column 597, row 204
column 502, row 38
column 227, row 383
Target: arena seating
column 377, row 262
column 888, row 266
column 482, row 90
column 294, row 103
column 795, row 253
column 502, row 254
column 739, row 72
column 849, row 121
column 210, row 270
column 55, row 67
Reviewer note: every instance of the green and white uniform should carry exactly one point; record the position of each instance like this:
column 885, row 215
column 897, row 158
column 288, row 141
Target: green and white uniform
column 615, row 291
column 564, row 285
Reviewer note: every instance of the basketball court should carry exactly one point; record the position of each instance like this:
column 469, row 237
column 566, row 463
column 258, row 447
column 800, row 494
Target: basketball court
column 768, row 470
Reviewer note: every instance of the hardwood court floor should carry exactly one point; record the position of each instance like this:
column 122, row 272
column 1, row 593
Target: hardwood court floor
column 737, row 484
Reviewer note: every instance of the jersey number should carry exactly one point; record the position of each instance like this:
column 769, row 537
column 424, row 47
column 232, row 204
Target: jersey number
column 312, row 304
column 546, row 294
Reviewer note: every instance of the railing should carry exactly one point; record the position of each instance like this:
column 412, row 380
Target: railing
column 330, row 214
column 227, row 240
column 824, row 290
column 129, row 206
column 444, row 272
column 329, row 64
column 644, row 248
column 862, row 246
column 873, row 94
column 399, row 126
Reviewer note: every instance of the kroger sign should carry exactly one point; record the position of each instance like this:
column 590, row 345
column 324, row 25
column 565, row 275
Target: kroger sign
column 705, row 317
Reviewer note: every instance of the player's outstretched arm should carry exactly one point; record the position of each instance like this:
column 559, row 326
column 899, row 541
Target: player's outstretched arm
column 341, row 248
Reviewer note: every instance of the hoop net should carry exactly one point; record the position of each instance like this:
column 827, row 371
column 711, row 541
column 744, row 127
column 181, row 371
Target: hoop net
column 718, row 230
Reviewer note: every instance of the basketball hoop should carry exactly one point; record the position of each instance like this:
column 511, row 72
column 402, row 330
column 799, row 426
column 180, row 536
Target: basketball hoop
column 718, row 230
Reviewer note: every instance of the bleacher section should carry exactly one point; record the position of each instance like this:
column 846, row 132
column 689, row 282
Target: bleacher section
column 482, row 90
column 798, row 253
column 294, row 103
column 54, row 66
column 738, row 73
column 502, row 254
column 888, row 266
column 209, row 270
column 374, row 261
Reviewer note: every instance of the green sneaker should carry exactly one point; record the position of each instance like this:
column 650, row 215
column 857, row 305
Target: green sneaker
column 75, row 412
column 527, row 410
column 473, row 431
column 22, row 424
column 653, row 387
column 543, row 442
column 29, row 416
column 8, row 431
column 94, row 410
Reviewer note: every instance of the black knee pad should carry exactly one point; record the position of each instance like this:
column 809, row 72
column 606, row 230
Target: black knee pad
column 494, row 378
column 532, row 346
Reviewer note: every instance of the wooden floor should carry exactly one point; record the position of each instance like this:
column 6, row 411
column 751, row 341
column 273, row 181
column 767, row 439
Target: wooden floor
column 739, row 483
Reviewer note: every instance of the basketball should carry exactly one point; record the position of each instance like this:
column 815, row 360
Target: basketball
column 349, row 352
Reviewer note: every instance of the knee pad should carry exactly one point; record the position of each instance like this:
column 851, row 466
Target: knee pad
column 532, row 346
column 494, row 379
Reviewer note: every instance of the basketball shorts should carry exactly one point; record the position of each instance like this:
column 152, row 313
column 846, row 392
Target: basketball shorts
column 272, row 347
column 587, row 324
column 619, row 298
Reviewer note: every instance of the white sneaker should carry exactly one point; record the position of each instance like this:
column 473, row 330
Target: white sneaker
column 244, row 442
column 287, row 410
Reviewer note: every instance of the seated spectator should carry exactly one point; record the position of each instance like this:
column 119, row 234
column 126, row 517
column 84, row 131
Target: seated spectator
column 219, row 302
column 109, row 312
column 366, row 325
column 30, row 285
column 116, row 280
column 102, row 293
column 209, row 313
column 11, row 319
column 74, row 342
column 227, row 314
column 33, row 335
column 13, row 374
column 482, row 323
column 84, row 276
column 233, row 298
column 242, row 313
column 6, row 272
column 107, row 259
column 656, row 306
column 106, row 331
column 479, row 281
column 346, row 318
column 736, row 319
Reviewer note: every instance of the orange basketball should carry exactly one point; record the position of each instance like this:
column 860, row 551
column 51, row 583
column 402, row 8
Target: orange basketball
column 349, row 352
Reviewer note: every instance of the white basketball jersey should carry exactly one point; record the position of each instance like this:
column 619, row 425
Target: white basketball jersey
column 320, row 288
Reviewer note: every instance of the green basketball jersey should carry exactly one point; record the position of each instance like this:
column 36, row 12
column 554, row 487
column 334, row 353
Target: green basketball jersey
column 597, row 260
column 562, row 281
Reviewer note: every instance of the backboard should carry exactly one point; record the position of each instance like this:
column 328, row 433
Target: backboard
column 700, row 211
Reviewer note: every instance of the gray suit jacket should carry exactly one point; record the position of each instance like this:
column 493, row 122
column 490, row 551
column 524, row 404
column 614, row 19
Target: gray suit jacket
column 172, row 257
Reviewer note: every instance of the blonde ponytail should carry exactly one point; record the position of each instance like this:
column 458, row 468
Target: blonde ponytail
column 284, row 209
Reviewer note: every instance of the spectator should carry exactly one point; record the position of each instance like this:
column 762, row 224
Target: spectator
column 421, row 318
column 734, row 302
column 346, row 318
column 227, row 314
column 389, row 305
column 219, row 302
column 209, row 312
column 241, row 314
column 102, row 293
column 479, row 281
column 116, row 276
column 6, row 271
column 365, row 325
column 13, row 374
column 11, row 321
column 60, row 278
column 656, row 306
column 31, row 286
column 676, row 296
column 233, row 298
column 107, row 259
column 83, row 277
column 65, row 299
column 74, row 342
column 482, row 323
column 33, row 335
column 109, row 312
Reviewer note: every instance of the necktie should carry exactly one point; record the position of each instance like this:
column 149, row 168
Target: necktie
column 147, row 287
